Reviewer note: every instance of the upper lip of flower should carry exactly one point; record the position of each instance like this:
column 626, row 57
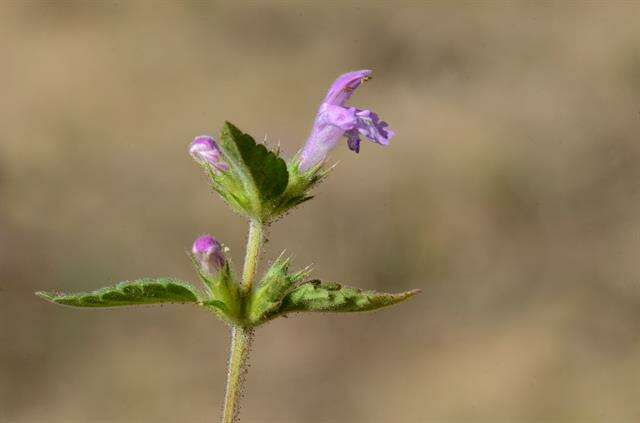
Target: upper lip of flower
column 344, row 86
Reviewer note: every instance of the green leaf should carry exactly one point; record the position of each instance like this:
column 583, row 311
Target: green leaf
column 273, row 288
column 216, row 306
column 332, row 297
column 138, row 292
column 263, row 174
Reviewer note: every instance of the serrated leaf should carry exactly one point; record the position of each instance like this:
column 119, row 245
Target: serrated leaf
column 130, row 293
column 332, row 297
column 259, row 167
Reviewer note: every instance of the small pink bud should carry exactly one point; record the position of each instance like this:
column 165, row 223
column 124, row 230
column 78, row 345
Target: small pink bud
column 208, row 253
column 204, row 149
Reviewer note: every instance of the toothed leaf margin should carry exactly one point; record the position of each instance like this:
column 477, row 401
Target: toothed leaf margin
column 330, row 297
column 130, row 293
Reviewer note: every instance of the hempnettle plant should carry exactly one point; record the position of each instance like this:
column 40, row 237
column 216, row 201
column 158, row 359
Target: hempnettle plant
column 260, row 185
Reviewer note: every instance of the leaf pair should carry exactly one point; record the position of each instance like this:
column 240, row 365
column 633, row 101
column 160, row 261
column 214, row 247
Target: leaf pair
column 278, row 294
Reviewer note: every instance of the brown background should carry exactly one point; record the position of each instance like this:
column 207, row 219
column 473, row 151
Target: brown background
column 510, row 196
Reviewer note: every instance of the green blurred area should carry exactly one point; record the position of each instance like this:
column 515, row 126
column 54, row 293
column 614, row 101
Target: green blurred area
column 510, row 196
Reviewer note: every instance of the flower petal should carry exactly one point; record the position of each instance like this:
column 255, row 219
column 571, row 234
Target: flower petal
column 344, row 86
column 353, row 140
column 339, row 116
column 374, row 129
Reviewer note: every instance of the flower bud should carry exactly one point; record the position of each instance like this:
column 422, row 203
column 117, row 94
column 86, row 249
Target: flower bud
column 208, row 252
column 205, row 150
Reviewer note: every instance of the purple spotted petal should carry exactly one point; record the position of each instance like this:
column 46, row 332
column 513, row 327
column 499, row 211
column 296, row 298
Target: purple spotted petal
column 208, row 252
column 204, row 149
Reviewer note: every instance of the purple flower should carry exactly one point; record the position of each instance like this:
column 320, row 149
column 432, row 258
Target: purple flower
column 335, row 120
column 205, row 150
column 208, row 252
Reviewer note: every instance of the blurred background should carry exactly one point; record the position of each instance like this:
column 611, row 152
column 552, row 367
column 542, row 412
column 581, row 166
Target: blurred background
column 510, row 196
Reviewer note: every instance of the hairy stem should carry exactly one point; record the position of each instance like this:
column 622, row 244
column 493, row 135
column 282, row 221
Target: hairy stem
column 241, row 339
column 252, row 255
